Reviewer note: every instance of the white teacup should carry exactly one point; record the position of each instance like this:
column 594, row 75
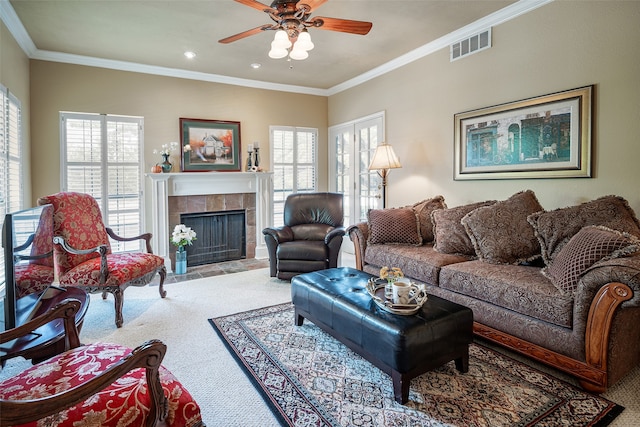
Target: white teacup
column 402, row 291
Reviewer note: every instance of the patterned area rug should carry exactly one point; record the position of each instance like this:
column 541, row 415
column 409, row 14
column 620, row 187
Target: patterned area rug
column 310, row 379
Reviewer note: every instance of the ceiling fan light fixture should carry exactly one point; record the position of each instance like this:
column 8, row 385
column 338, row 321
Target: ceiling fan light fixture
column 277, row 53
column 281, row 40
column 291, row 19
column 304, row 41
column 298, row 54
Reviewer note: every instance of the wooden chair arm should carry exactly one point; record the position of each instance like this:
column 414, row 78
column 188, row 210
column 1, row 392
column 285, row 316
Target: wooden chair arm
column 149, row 356
column 66, row 310
column 33, row 257
column 102, row 250
column 26, row 244
column 146, row 237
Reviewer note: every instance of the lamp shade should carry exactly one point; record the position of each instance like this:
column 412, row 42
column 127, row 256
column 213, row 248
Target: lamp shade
column 384, row 158
column 298, row 54
column 277, row 52
column 281, row 40
column 304, row 41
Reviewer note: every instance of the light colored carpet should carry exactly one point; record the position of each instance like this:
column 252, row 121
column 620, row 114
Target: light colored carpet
column 200, row 360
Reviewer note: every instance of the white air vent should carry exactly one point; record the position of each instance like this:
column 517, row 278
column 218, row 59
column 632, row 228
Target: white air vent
column 473, row 44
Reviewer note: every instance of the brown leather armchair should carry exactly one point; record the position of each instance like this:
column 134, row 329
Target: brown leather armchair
column 311, row 237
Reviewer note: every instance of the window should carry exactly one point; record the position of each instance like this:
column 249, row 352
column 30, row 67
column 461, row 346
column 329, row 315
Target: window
column 11, row 190
column 102, row 157
column 294, row 156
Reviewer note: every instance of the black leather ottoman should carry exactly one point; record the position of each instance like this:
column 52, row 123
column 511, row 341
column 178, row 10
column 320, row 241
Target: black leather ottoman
column 404, row 347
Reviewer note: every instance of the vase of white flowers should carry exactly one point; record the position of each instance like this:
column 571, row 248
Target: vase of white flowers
column 181, row 237
column 165, row 152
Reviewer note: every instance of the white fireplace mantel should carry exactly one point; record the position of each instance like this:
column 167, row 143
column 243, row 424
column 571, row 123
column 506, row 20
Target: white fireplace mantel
column 165, row 185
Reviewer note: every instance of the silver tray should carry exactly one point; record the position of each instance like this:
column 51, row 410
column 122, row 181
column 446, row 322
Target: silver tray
column 375, row 287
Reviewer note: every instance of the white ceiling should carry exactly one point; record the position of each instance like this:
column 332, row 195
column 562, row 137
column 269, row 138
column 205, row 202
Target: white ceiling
column 151, row 36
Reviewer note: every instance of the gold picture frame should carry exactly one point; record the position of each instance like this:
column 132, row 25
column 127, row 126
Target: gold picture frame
column 547, row 136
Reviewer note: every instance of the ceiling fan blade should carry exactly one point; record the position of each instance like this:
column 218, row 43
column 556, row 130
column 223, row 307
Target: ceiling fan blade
column 245, row 34
column 312, row 4
column 256, row 5
column 342, row 25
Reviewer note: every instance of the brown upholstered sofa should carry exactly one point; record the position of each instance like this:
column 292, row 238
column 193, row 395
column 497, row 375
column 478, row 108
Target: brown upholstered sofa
column 560, row 286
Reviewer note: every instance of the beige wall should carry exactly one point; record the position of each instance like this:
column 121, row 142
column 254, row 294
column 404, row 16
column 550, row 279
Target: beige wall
column 14, row 75
column 559, row 46
column 161, row 101
column 563, row 45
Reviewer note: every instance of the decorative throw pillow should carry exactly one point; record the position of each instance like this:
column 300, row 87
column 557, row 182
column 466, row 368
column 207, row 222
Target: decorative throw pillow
column 423, row 211
column 399, row 225
column 500, row 233
column 590, row 245
column 555, row 228
column 450, row 235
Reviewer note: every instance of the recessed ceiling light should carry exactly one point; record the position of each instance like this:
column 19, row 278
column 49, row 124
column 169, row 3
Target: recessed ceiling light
column 255, row 65
column 190, row 54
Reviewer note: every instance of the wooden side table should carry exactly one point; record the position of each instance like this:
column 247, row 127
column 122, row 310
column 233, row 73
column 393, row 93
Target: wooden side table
column 48, row 340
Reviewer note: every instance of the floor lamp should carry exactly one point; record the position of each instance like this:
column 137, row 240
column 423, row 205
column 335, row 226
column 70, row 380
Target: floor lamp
column 384, row 158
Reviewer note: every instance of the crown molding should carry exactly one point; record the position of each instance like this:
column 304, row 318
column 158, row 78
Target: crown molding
column 13, row 23
column 503, row 15
column 89, row 61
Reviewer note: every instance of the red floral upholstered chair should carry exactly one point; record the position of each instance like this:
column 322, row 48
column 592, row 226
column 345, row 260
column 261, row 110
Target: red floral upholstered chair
column 34, row 272
column 82, row 252
column 99, row 384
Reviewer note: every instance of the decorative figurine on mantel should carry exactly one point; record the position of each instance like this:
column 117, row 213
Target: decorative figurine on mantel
column 249, row 158
column 253, row 157
column 256, row 156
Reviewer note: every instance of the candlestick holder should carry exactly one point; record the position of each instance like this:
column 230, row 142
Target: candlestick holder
column 249, row 160
column 256, row 157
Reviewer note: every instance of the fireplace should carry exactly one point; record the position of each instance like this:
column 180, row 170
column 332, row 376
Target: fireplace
column 214, row 207
column 221, row 236
column 174, row 194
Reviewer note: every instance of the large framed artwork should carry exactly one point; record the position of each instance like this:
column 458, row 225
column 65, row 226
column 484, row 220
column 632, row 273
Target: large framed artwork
column 543, row 137
column 209, row 145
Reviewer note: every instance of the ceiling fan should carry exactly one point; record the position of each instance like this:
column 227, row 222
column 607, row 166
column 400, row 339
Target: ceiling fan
column 291, row 20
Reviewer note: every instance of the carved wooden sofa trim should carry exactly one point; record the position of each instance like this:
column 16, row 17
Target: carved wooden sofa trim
column 591, row 374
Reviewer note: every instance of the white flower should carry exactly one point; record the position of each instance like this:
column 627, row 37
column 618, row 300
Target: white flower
column 182, row 235
column 167, row 149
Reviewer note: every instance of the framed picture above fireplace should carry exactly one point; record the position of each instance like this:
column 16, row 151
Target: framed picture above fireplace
column 209, row 145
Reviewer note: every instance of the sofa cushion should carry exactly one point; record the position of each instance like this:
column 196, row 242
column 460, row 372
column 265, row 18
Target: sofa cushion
column 397, row 225
column 500, row 233
column 423, row 211
column 421, row 263
column 515, row 287
column 555, row 228
column 450, row 235
column 590, row 245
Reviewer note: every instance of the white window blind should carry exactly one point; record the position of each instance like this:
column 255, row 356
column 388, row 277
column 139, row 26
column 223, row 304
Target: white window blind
column 11, row 182
column 102, row 156
column 294, row 158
